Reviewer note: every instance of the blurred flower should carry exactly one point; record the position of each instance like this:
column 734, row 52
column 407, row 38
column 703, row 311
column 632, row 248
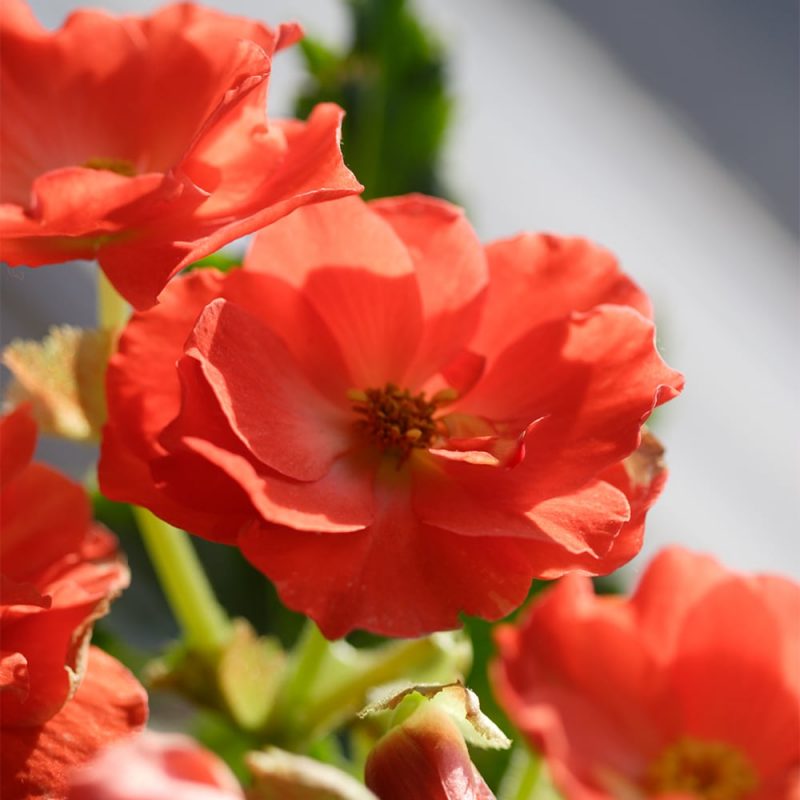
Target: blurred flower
column 143, row 141
column 689, row 689
column 424, row 755
column 155, row 766
column 60, row 699
column 394, row 424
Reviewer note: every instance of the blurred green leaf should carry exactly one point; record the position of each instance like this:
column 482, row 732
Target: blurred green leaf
column 392, row 84
column 224, row 261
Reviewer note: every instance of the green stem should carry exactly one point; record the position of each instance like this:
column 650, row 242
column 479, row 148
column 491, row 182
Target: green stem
column 307, row 658
column 521, row 776
column 112, row 310
column 397, row 660
column 204, row 623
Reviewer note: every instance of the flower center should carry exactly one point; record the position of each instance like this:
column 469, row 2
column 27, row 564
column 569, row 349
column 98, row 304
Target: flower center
column 119, row 165
column 709, row 770
column 396, row 420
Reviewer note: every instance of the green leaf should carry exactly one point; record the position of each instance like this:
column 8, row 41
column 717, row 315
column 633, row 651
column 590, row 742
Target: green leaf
column 392, row 84
column 249, row 673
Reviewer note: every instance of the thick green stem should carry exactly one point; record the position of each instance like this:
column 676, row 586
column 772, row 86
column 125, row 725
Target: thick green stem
column 112, row 310
column 204, row 623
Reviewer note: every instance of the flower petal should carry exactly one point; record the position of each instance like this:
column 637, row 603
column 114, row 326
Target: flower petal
column 358, row 276
column 593, row 380
column 451, row 270
column 557, row 276
column 398, row 577
column 17, row 443
column 268, row 402
column 208, row 468
column 36, row 762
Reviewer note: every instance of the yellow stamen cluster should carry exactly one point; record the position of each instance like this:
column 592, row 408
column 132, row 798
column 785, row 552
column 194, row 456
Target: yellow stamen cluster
column 119, row 165
column 395, row 419
column 708, row 770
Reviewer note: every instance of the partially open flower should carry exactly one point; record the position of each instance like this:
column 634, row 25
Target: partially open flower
column 394, row 423
column 689, row 690
column 143, row 141
column 60, row 700
column 424, row 755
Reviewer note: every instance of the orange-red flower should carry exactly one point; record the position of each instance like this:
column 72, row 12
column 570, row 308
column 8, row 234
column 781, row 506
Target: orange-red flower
column 393, row 423
column 60, row 700
column 143, row 141
column 688, row 690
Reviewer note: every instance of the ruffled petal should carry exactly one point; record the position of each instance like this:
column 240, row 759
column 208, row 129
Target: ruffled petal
column 592, row 381
column 36, row 762
column 540, row 277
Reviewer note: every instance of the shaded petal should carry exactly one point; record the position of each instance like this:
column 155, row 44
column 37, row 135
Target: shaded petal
column 482, row 501
column 268, row 402
column 37, row 762
column 78, row 586
column 290, row 315
column 17, row 443
column 39, row 503
column 399, row 576
column 209, row 468
column 142, row 402
column 556, row 276
column 125, row 477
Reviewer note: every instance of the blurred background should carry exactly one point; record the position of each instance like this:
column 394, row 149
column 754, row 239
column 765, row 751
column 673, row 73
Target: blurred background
column 666, row 131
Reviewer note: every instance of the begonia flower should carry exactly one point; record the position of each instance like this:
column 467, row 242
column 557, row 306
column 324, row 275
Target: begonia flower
column 392, row 422
column 143, row 141
column 689, row 689
column 60, row 700
column 155, row 766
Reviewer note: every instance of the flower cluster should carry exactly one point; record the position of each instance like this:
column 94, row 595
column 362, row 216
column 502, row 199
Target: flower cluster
column 395, row 423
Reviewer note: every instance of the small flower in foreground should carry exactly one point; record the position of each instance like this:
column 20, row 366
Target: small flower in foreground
column 143, row 141
column 60, row 700
column 394, row 423
column 688, row 690
column 155, row 766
